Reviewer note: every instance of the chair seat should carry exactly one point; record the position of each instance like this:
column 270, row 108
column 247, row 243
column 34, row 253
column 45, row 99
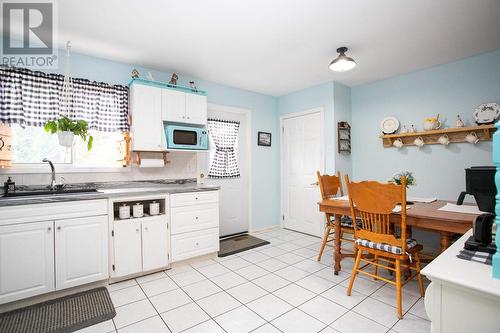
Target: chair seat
column 346, row 222
column 410, row 243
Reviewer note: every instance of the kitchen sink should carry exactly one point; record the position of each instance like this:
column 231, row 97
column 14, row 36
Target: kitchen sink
column 39, row 193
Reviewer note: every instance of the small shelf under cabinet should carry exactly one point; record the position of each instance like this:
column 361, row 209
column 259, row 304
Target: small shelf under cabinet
column 455, row 135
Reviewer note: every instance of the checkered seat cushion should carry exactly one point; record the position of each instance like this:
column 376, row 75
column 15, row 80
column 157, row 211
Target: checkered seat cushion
column 410, row 243
column 346, row 221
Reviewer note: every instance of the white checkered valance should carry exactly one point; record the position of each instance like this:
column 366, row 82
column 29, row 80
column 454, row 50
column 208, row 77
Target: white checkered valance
column 31, row 98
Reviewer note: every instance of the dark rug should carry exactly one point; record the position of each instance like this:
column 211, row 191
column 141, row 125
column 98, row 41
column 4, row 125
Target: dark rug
column 66, row 314
column 239, row 243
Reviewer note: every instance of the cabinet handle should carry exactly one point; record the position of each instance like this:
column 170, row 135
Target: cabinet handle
column 146, row 228
column 59, row 228
column 197, row 244
column 196, row 198
column 183, row 117
column 197, row 217
column 137, row 230
column 189, row 118
column 49, row 228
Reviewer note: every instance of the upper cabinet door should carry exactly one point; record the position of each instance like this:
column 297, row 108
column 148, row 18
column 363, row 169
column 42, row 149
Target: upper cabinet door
column 174, row 106
column 196, row 109
column 146, row 111
column 26, row 260
column 81, row 251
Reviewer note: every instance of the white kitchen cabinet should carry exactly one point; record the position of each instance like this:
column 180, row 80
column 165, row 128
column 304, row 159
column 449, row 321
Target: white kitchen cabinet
column 192, row 218
column 155, row 244
column 195, row 224
column 26, row 260
column 174, row 106
column 193, row 244
column 127, row 248
column 81, row 249
column 196, row 109
column 146, row 112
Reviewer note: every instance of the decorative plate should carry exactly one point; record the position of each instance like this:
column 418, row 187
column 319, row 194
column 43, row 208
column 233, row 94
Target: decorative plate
column 389, row 125
column 486, row 113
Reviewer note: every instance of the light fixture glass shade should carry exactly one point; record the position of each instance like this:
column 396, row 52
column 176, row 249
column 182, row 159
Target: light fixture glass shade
column 342, row 63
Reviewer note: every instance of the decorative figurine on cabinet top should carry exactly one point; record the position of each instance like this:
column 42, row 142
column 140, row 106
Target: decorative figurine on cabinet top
column 135, row 73
column 173, row 79
column 459, row 123
column 192, row 86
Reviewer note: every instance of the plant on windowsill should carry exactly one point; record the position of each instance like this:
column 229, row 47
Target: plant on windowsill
column 66, row 130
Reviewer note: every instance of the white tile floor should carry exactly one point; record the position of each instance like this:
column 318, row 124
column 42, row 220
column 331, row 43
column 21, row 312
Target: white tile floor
column 275, row 288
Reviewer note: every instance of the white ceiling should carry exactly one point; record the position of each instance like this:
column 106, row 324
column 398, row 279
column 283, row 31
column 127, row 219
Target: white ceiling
column 279, row 46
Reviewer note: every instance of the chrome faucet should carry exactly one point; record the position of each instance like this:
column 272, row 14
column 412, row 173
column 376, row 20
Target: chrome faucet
column 52, row 186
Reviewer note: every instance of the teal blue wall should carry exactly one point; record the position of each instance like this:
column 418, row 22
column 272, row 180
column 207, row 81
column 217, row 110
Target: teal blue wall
column 310, row 98
column 448, row 90
column 265, row 160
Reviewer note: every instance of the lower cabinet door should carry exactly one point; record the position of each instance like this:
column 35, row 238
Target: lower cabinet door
column 155, row 245
column 193, row 244
column 81, row 247
column 127, row 248
column 26, row 260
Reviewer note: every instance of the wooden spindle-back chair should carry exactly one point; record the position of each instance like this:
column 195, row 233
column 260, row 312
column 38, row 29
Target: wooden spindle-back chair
column 373, row 203
column 330, row 186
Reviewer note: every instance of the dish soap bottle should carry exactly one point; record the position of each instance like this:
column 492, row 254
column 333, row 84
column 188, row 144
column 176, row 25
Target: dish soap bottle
column 9, row 186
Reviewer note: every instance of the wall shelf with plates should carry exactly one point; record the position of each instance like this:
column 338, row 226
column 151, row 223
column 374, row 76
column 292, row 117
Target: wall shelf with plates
column 440, row 136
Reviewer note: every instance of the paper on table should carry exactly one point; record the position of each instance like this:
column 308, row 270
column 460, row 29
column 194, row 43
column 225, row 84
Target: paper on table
column 467, row 209
column 344, row 197
column 398, row 209
column 423, row 200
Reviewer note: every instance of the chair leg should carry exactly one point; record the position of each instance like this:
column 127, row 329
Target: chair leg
column 419, row 276
column 354, row 272
column 375, row 267
column 325, row 239
column 398, row 288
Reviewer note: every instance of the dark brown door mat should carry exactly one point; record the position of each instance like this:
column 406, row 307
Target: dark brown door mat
column 66, row 314
column 238, row 244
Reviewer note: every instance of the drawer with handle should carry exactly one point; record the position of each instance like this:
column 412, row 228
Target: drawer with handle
column 193, row 244
column 193, row 198
column 192, row 218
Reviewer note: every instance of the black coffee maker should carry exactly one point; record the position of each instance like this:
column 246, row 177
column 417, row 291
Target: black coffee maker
column 480, row 183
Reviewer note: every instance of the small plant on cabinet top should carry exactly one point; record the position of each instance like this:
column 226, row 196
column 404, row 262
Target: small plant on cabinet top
column 410, row 180
column 78, row 128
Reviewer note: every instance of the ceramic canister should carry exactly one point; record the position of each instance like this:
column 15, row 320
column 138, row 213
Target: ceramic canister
column 138, row 210
column 124, row 211
column 154, row 208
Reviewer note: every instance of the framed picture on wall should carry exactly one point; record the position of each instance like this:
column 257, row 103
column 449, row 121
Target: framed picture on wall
column 264, row 139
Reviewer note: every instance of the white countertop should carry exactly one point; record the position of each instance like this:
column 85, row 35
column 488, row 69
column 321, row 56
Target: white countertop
column 469, row 274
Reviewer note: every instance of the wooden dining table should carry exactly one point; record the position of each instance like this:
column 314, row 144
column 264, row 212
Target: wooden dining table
column 425, row 216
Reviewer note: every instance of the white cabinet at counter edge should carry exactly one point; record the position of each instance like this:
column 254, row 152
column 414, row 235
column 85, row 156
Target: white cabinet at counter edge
column 49, row 252
column 195, row 224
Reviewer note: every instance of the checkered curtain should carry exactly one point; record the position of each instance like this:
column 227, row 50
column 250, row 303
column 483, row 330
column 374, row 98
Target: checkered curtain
column 224, row 134
column 31, row 98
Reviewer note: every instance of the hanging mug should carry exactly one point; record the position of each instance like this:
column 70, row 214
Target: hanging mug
column 419, row 142
column 398, row 143
column 472, row 138
column 444, row 140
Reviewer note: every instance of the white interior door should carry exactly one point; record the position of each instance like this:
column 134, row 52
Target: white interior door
column 302, row 156
column 233, row 196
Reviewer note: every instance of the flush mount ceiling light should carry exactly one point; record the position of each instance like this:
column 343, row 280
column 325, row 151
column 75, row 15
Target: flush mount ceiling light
column 342, row 63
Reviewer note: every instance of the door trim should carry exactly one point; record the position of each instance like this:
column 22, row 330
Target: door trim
column 319, row 110
column 248, row 149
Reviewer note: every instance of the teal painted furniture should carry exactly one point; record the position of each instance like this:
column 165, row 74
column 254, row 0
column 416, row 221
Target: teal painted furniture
column 496, row 160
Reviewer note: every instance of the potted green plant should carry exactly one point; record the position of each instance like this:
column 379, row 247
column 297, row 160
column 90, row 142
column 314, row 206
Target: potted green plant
column 66, row 130
column 410, row 180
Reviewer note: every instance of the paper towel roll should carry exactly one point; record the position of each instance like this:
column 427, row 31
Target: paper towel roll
column 152, row 163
